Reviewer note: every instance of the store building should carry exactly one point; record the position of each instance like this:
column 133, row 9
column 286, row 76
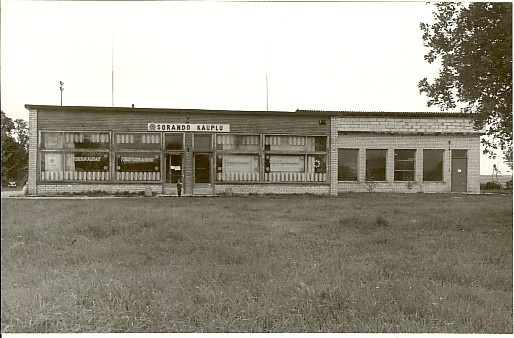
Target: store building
column 114, row 149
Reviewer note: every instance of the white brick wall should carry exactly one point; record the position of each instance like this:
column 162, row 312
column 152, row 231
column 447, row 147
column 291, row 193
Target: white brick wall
column 471, row 143
column 33, row 144
column 405, row 125
column 273, row 189
column 48, row 189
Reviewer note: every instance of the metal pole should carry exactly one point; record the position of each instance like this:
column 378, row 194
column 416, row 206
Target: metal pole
column 61, row 88
column 112, row 69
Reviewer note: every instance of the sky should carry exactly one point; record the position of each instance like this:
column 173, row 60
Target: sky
column 278, row 56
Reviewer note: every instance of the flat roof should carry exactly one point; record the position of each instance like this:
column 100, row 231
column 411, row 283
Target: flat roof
column 298, row 112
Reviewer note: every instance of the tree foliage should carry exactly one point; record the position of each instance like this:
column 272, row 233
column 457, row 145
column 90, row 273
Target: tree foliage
column 473, row 43
column 15, row 143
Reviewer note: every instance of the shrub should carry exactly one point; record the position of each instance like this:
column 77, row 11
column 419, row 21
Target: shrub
column 381, row 222
column 490, row 186
column 508, row 185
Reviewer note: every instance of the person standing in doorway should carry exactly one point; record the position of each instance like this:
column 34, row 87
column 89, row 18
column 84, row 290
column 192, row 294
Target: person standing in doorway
column 179, row 188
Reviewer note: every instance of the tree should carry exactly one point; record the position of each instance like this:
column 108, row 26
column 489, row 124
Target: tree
column 21, row 133
column 473, row 43
column 14, row 148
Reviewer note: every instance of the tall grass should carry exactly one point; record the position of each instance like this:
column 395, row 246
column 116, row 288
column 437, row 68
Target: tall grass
column 356, row 263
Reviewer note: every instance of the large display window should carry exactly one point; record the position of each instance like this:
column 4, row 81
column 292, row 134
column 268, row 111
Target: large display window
column 348, row 160
column 147, row 141
column 138, row 166
column 239, row 143
column 433, row 165
column 75, row 156
column 284, row 168
column 293, row 158
column 238, row 158
column 86, row 140
column 52, row 166
column 237, row 167
column 86, row 166
column 404, row 165
column 316, row 168
column 376, row 160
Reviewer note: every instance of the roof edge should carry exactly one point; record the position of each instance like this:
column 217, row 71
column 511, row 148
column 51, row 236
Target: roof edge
column 351, row 113
column 298, row 112
column 162, row 110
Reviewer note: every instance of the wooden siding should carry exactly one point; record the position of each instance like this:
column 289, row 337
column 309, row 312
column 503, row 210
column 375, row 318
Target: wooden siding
column 137, row 121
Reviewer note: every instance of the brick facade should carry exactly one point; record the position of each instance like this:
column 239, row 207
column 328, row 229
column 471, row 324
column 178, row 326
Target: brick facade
column 49, row 189
column 406, row 125
column 410, row 133
column 33, row 151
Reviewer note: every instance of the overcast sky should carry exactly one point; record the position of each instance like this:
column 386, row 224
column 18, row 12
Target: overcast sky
column 214, row 55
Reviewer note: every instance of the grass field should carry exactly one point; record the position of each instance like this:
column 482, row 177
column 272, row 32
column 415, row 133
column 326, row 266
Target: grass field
column 355, row 263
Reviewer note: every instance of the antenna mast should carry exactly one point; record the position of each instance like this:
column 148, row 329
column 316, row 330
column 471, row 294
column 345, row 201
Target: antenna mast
column 112, row 69
column 267, row 107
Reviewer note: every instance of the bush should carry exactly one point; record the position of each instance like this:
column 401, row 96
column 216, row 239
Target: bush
column 490, row 186
column 381, row 222
column 508, row 185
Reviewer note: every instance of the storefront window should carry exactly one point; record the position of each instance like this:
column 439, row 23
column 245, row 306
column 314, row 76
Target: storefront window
column 174, row 141
column 347, row 164
column 138, row 166
column 51, row 166
column 376, row 164
column 316, row 168
column 433, row 165
column 281, row 164
column 86, row 166
column 404, row 161
column 52, row 140
column 320, row 143
column 236, row 167
column 137, row 140
column 284, row 168
column 243, row 143
column 70, row 165
column 286, row 143
column 86, row 140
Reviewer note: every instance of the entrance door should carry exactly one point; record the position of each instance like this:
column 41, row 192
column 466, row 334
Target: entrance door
column 202, row 174
column 459, row 171
column 174, row 172
column 174, row 168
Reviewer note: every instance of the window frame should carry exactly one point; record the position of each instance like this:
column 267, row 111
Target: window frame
column 245, row 152
column 64, row 151
column 442, row 165
column 115, row 145
column 164, row 149
column 305, row 176
column 407, row 161
column 140, row 173
column 357, row 153
column 193, row 142
column 368, row 178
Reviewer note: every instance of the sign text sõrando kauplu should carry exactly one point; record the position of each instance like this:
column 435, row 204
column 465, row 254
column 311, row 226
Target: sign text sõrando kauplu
column 192, row 127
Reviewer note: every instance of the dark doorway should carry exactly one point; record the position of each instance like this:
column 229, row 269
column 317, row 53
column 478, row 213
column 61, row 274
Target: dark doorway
column 202, row 168
column 459, row 171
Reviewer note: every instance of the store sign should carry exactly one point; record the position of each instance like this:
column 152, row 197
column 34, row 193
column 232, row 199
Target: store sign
column 136, row 159
column 192, row 127
column 87, row 158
